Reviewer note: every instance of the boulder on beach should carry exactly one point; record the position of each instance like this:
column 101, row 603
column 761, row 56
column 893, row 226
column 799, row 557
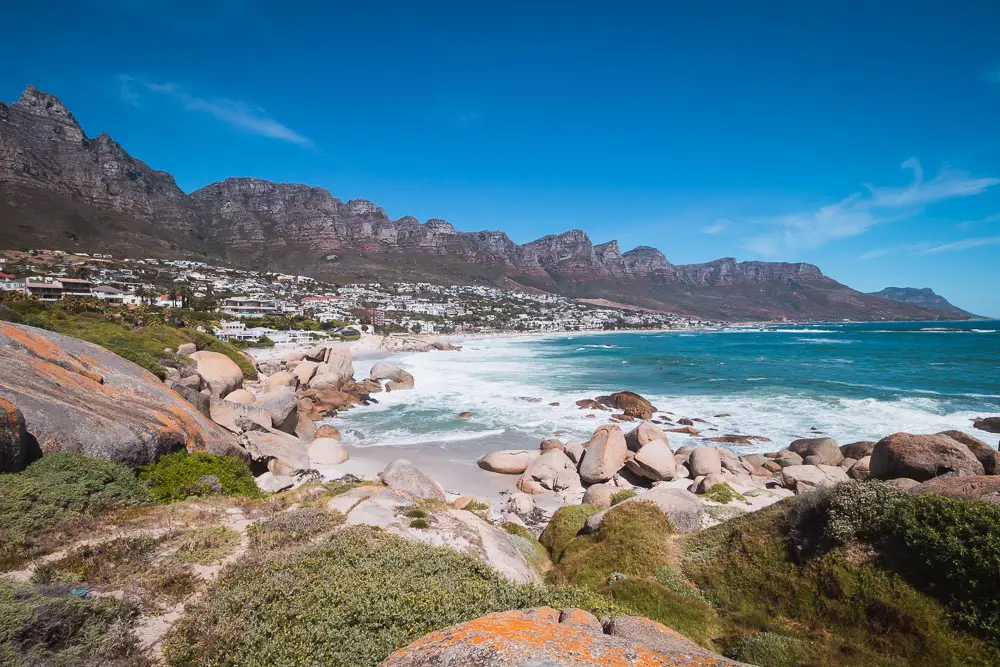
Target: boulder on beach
column 704, row 460
column 643, row 433
column 281, row 379
column 988, row 424
column 326, row 452
column 285, row 454
column 804, row 478
column 240, row 396
column 921, row 457
column 327, row 431
column 604, row 456
column 817, row 451
column 14, row 439
column 858, row 450
column 630, row 403
column 220, row 373
column 861, row 470
column 654, row 461
column 397, row 379
column 982, row 451
column 238, row 417
column 574, row 450
column 402, row 475
column 546, row 637
column 552, row 471
column 304, row 372
column 599, row 495
column 282, row 405
column 186, row 350
column 508, row 461
column 550, row 443
column 79, row 397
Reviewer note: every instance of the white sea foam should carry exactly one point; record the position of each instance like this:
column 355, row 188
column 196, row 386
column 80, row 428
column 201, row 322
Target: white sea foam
column 824, row 341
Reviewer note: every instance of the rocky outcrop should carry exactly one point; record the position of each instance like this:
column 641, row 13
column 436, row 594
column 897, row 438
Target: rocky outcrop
column 921, row 457
column 546, row 637
column 15, row 442
column 402, row 475
column 79, row 397
column 397, row 379
column 219, row 372
column 986, row 455
column 967, row 487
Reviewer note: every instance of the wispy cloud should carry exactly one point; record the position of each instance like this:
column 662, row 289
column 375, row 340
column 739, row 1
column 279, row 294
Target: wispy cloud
column 893, row 250
column 234, row 113
column 859, row 212
column 964, row 244
column 970, row 224
column 714, row 229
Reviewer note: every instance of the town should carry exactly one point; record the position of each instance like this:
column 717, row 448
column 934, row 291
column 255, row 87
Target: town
column 284, row 308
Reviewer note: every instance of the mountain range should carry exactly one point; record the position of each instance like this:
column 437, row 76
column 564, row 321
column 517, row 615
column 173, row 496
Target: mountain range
column 62, row 190
column 925, row 297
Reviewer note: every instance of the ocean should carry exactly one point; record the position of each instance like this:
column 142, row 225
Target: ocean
column 848, row 381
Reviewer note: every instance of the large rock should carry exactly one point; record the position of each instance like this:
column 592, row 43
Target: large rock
column 643, row 433
column 630, row 403
column 281, row 379
column 398, row 379
column 508, row 461
column 983, row 452
column 14, row 439
column 861, row 470
column 807, row 477
column 282, row 405
column 326, row 452
column 604, row 456
column 820, row 451
column 238, row 417
column 187, row 349
column 858, row 450
column 79, row 397
column 654, row 461
column 339, row 361
column 546, row 637
column 305, row 371
column 988, row 424
column 284, row 454
column 966, row 487
column 704, row 460
column 220, row 373
column 921, row 457
column 683, row 508
column 460, row 530
column 599, row 495
column 551, row 470
column 240, row 396
column 402, row 475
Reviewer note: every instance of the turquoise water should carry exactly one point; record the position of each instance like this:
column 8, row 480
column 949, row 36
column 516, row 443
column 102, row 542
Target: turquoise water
column 850, row 381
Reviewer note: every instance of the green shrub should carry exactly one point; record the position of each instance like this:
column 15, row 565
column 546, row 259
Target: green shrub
column 769, row 649
column 354, row 599
column 419, row 523
column 48, row 626
column 56, row 493
column 624, row 494
column 693, row 618
column 293, row 527
column 208, row 545
column 416, row 513
column 517, row 529
column 566, row 522
column 723, row 493
column 181, row 475
column 108, row 562
column 632, row 540
column 169, row 581
column 951, row 549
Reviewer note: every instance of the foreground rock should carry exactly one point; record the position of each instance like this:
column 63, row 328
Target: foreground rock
column 79, row 397
column 808, row 477
column 818, row 451
column 982, row 451
column 220, row 373
column 402, row 475
column 546, row 637
column 456, row 529
column 967, row 487
column 284, row 454
column 921, row 457
column 14, row 440
column 604, row 456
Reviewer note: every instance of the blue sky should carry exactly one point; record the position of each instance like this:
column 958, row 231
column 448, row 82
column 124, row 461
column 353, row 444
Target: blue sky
column 860, row 136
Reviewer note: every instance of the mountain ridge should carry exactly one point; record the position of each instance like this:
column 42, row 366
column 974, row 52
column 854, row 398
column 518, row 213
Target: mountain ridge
column 60, row 189
column 925, row 297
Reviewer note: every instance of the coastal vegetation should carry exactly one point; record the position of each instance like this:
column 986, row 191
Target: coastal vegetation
column 182, row 475
column 140, row 335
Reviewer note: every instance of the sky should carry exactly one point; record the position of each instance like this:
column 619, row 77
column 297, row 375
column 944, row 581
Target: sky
column 863, row 137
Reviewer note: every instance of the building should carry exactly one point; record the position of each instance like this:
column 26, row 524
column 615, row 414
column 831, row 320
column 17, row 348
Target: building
column 115, row 296
column 242, row 306
column 9, row 283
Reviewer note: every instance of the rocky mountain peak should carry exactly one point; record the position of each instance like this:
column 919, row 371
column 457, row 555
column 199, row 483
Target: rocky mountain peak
column 366, row 209
column 39, row 103
column 440, row 226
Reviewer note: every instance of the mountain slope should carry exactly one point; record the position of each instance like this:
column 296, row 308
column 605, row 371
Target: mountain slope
column 60, row 189
column 925, row 297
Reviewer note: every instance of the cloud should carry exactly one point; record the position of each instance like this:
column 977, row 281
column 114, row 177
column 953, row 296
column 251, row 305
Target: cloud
column 234, row 113
column 856, row 214
column 892, row 250
column 964, row 244
column 969, row 224
column 714, row 229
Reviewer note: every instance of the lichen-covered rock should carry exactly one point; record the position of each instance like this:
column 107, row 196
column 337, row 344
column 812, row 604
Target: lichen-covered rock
column 922, row 457
column 545, row 637
column 79, row 397
column 14, row 439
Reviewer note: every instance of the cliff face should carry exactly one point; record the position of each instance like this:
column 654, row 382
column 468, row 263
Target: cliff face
column 60, row 189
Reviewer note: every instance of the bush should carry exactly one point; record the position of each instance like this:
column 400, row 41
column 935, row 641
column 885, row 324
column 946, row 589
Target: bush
column 48, row 626
column 354, row 598
column 293, row 527
column 768, row 649
column 181, row 475
column 723, row 493
column 566, row 522
column 209, row 545
column 109, row 562
column 624, row 494
column 632, row 540
column 53, row 494
column 951, row 549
